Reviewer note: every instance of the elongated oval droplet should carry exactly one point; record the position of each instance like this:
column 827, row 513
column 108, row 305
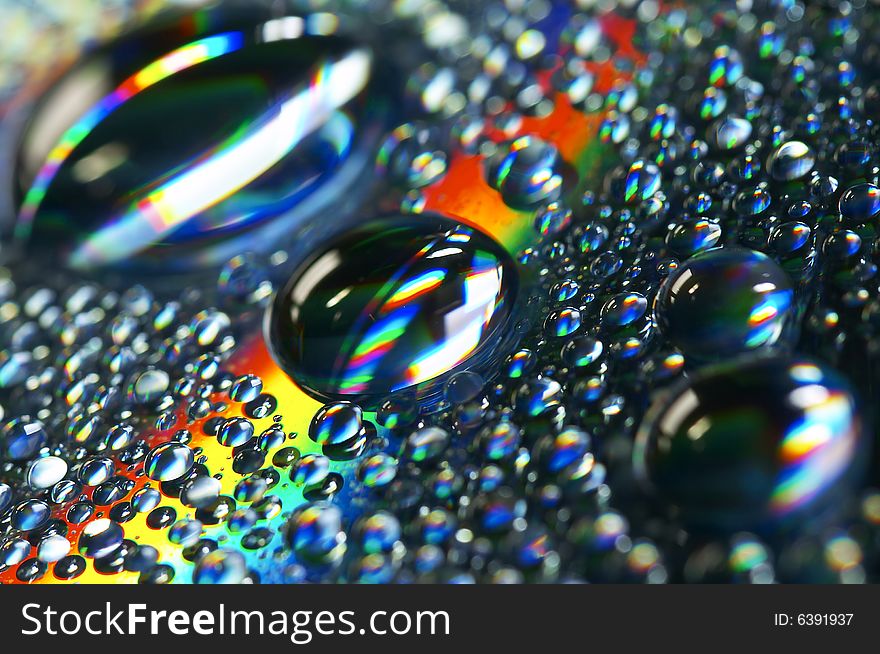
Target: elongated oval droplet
column 161, row 147
column 395, row 303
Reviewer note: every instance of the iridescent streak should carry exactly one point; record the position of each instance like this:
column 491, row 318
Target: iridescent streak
column 815, row 452
column 482, row 296
column 424, row 283
column 762, row 318
column 381, row 337
column 634, row 179
column 232, row 166
column 507, row 163
column 172, row 63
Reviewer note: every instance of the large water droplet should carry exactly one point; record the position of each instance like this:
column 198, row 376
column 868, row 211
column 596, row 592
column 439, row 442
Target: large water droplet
column 168, row 461
column 725, row 301
column 100, row 537
column 190, row 132
column 22, row 439
column 395, row 303
column 860, row 203
column 746, row 445
column 791, row 160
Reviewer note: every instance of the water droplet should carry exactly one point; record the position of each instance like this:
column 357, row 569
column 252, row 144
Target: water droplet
column 725, row 301
column 70, row 567
column 149, row 386
column 621, row 310
column 337, row 424
column 526, row 172
column 46, row 472
column 95, row 471
column 314, row 533
column 200, row 491
column 168, row 461
column 5, row 497
column 790, row 161
column 115, row 162
column 537, row 396
column 412, row 156
column 562, row 322
column 426, row 445
column 53, row 548
column 729, row 133
column 22, row 439
column 30, row 514
column 377, row 470
column 345, row 327
column 310, row 470
column 499, row 441
column 235, row 432
column 100, row 538
column 221, row 566
column 637, row 183
column 749, row 444
column 245, row 388
column 692, row 236
column 377, row 532
column 859, row 203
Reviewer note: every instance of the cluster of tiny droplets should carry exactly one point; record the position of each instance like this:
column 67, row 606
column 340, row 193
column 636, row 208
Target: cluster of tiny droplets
column 743, row 129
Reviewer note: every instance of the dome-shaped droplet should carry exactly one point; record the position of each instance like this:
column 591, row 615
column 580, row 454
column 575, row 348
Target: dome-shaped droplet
column 724, row 301
column 859, row 203
column 789, row 237
column 426, row 444
column 99, row 538
column 790, row 161
column 221, row 566
column 337, row 424
column 562, row 322
column 692, row 236
column 636, row 183
column 377, row 470
column 314, row 533
column 148, row 386
column 412, row 156
column 245, row 388
column 729, row 133
column 748, row 444
column 582, row 352
column 310, row 470
column 526, row 172
column 30, row 514
column 190, row 132
column 235, row 431
column 377, row 532
column 95, row 471
column 53, row 548
column 393, row 304
column 22, row 439
column 46, row 472
column 623, row 309
column 168, row 461
column 5, row 497
column 200, row 491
